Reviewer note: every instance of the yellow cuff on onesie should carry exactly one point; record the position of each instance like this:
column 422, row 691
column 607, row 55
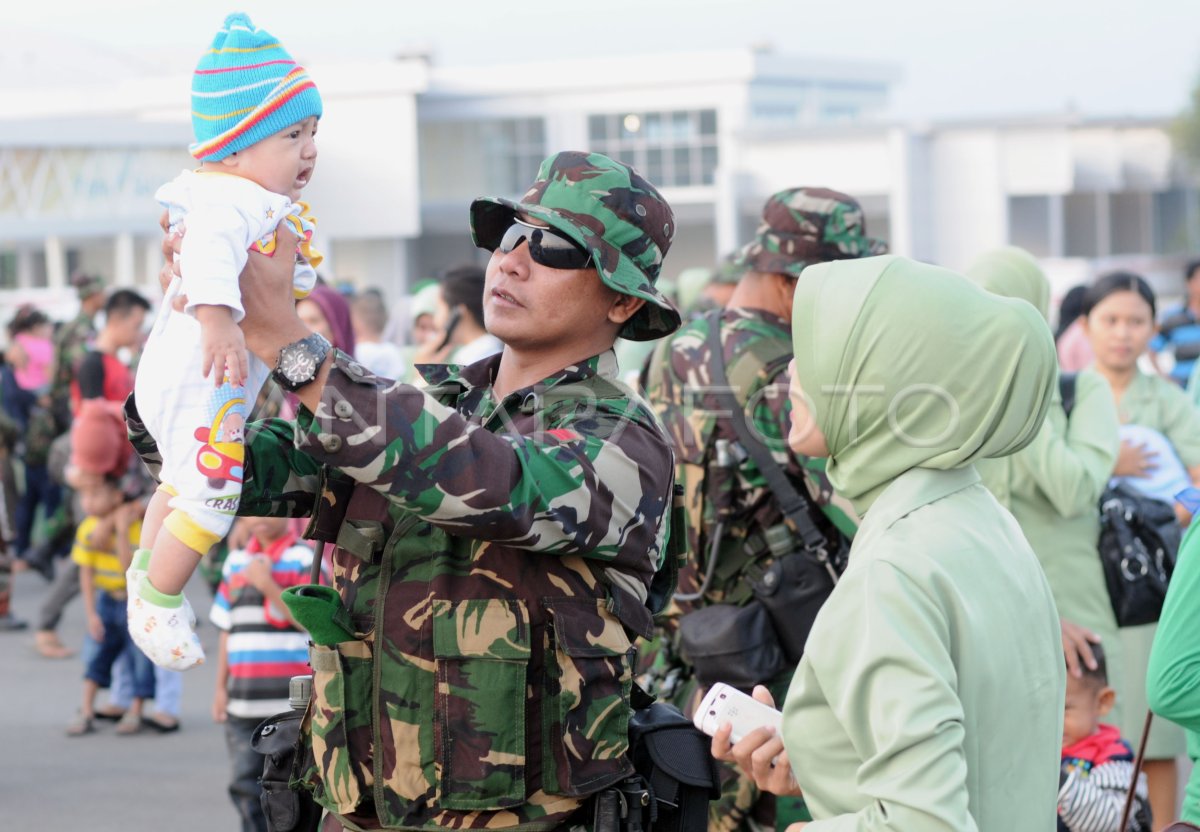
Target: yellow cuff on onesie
column 188, row 532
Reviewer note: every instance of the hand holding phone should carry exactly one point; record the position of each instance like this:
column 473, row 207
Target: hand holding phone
column 728, row 705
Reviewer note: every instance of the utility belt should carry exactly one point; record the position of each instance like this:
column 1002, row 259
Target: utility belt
column 675, row 775
column 756, row 638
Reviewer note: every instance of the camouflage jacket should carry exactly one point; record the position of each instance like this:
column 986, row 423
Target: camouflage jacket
column 757, row 347
column 70, row 344
column 488, row 555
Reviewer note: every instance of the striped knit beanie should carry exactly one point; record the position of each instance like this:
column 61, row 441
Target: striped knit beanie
column 246, row 88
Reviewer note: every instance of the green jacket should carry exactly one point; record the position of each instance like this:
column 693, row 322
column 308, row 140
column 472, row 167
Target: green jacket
column 1052, row 488
column 1156, row 403
column 492, row 558
column 919, row 724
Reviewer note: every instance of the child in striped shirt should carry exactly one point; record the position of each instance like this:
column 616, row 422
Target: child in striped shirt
column 1096, row 763
column 261, row 647
column 254, row 115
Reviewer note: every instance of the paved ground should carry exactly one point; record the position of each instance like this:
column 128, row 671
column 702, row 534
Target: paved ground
column 102, row 782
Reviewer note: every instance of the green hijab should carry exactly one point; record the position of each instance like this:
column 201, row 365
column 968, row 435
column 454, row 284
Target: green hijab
column 943, row 373
column 1012, row 272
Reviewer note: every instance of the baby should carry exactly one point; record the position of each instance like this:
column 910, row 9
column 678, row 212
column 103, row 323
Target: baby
column 1096, row 763
column 254, row 113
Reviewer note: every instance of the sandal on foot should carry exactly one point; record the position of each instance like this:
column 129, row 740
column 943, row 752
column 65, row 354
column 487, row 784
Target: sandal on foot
column 113, row 715
column 161, row 725
column 129, row 723
column 80, row 725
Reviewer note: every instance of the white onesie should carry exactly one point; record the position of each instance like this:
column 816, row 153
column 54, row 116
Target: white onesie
column 199, row 428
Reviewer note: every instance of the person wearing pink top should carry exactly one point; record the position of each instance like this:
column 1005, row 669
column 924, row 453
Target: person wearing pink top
column 24, row 387
column 1070, row 339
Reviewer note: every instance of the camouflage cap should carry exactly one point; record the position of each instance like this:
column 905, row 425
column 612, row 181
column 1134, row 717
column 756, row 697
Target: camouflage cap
column 609, row 210
column 86, row 285
column 803, row 226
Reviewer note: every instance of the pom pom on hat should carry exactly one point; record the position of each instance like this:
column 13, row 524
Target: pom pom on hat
column 245, row 88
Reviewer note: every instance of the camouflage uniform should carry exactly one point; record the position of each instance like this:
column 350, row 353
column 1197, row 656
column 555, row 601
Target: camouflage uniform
column 70, row 343
column 493, row 557
column 800, row 227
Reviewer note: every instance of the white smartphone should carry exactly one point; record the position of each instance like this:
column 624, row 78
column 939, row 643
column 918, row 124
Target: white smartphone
column 724, row 704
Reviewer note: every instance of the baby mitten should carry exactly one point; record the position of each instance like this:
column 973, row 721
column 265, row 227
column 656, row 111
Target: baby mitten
column 136, row 571
column 163, row 626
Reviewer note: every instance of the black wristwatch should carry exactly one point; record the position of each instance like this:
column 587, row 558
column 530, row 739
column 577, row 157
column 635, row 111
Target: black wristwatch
column 300, row 361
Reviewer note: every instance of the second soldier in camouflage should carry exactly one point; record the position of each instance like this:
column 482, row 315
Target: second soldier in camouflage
column 800, row 227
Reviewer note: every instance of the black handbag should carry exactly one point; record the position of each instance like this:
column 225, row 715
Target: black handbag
column 1139, row 541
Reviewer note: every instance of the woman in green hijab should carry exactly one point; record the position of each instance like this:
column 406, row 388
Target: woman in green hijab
column 1119, row 311
column 930, row 696
column 1053, row 486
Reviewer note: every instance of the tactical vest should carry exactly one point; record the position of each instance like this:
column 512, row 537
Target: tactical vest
column 486, row 685
column 713, row 477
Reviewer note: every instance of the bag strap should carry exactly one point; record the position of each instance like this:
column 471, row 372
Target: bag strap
column 1137, row 770
column 793, row 505
column 1066, row 388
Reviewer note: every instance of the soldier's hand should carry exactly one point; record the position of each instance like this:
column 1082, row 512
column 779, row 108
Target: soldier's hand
column 267, row 298
column 171, row 245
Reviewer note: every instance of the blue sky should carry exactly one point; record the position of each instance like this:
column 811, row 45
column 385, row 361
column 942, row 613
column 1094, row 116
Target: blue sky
column 959, row 59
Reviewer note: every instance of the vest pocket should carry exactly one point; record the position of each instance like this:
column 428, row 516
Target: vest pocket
column 340, row 723
column 481, row 652
column 586, row 710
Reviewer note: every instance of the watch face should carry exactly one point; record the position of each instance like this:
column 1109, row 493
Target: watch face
column 298, row 365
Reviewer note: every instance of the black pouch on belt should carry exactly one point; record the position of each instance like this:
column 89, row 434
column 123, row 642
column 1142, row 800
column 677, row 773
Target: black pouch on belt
column 287, row 809
column 792, row 590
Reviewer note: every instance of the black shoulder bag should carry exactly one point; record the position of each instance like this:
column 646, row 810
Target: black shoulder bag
column 739, row 645
column 1139, row 541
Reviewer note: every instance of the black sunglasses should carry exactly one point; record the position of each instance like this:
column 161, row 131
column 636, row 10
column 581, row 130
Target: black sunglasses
column 546, row 246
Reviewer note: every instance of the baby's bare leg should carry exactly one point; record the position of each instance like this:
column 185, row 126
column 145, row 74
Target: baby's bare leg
column 172, row 562
column 156, row 512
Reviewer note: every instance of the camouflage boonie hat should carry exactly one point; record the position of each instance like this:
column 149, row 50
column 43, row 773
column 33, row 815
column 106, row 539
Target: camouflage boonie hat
column 611, row 212
column 803, row 226
column 86, row 285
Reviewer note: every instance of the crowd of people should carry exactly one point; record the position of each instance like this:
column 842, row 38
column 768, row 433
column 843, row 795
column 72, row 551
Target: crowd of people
column 863, row 488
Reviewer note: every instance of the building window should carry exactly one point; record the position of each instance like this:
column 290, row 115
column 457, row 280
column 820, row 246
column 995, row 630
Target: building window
column 514, row 149
column 1029, row 224
column 1081, row 224
column 1175, row 217
column 1131, row 225
column 8, row 270
column 672, row 149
